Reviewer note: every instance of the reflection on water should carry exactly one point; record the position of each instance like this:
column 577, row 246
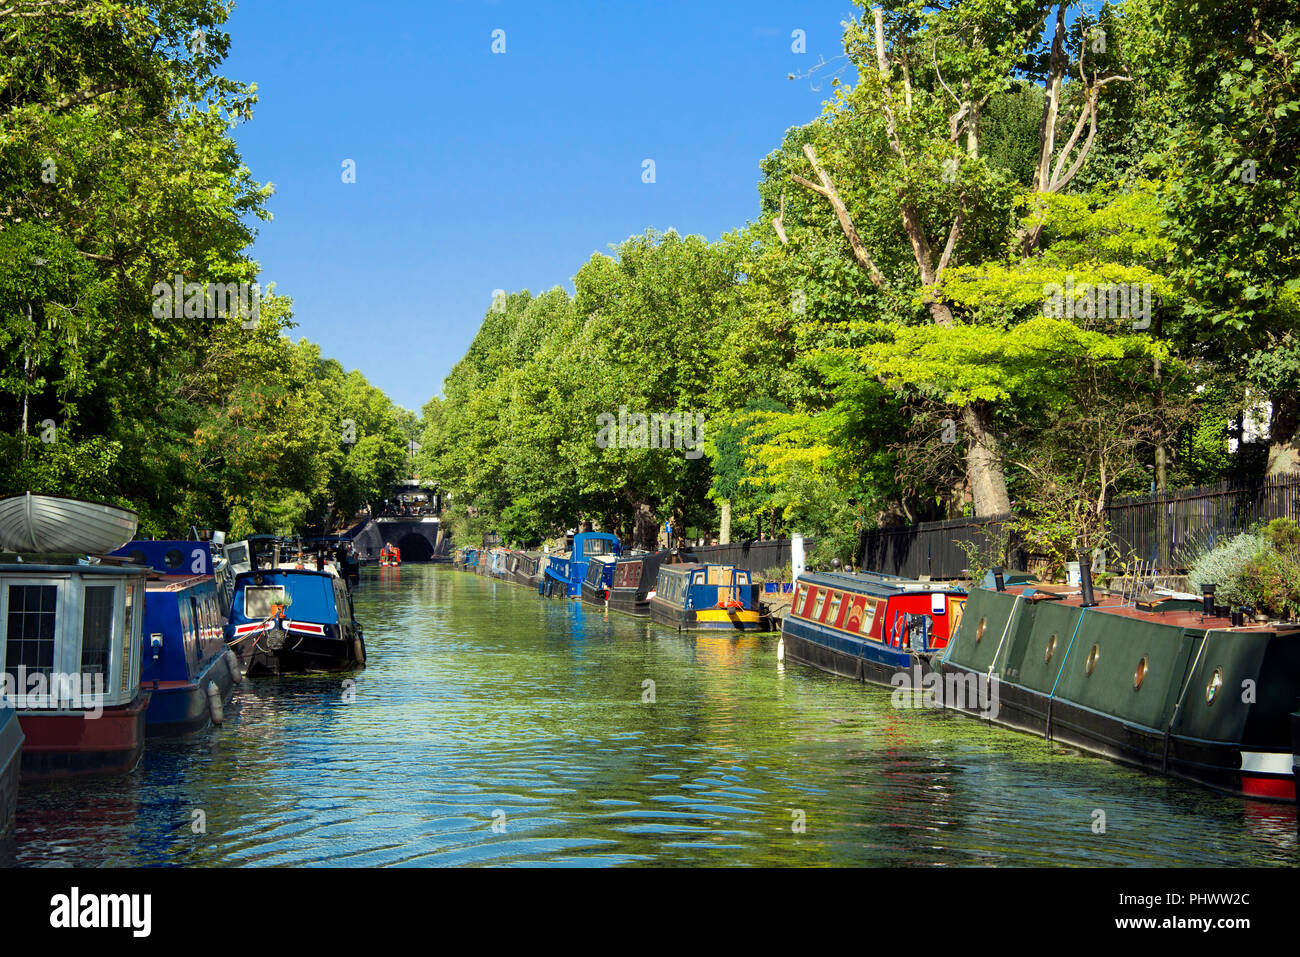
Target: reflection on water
column 483, row 704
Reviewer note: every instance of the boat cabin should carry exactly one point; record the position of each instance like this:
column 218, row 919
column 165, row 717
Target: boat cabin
column 696, row 596
column 71, row 661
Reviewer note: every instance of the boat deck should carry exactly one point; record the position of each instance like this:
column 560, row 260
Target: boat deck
column 1111, row 605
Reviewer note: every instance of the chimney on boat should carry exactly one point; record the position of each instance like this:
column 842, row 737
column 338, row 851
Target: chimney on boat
column 1207, row 599
column 1085, row 581
column 999, row 582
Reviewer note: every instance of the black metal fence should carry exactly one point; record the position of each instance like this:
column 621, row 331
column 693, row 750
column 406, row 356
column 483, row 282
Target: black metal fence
column 756, row 556
column 1159, row 528
column 931, row 548
column 1156, row 528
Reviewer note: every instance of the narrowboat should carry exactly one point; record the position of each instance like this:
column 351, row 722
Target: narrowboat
column 697, row 597
column 185, row 663
column 11, row 759
column 390, row 554
column 287, row 617
column 1161, row 685
column 634, row 580
column 527, row 568
column 868, row 626
column 500, row 560
column 564, row 573
column 71, row 658
column 600, row 576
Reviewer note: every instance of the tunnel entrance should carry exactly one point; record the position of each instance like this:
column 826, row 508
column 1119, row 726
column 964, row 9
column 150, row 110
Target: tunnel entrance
column 415, row 548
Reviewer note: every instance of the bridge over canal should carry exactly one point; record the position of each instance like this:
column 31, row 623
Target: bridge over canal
column 419, row 537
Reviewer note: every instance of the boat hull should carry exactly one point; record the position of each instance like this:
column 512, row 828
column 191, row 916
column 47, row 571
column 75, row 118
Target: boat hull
column 630, row 602
column 276, row 652
column 11, row 747
column 705, row 619
column 183, row 707
column 70, row 745
column 869, row 661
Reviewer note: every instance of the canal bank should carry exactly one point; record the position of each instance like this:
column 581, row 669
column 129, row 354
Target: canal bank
column 483, row 706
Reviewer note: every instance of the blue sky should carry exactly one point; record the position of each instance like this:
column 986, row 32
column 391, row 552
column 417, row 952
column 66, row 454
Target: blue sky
column 478, row 171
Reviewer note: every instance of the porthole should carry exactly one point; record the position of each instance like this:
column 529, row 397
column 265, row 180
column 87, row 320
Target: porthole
column 1212, row 689
column 174, row 558
column 1140, row 675
column 979, row 630
column 1091, row 663
column 1051, row 648
column 138, row 557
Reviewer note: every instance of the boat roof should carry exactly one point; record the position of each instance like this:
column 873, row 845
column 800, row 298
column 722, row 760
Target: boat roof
column 62, row 564
column 684, row 567
column 874, row 583
column 1174, row 613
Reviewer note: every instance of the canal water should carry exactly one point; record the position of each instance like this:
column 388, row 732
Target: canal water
column 494, row 728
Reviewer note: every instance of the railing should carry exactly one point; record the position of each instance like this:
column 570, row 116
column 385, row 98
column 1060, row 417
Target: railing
column 1154, row 528
column 757, row 557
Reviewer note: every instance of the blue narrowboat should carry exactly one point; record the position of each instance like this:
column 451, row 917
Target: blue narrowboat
column 600, row 576
column 869, row 626
column 287, row 616
column 564, row 573
column 696, row 597
column 184, row 659
column 11, row 759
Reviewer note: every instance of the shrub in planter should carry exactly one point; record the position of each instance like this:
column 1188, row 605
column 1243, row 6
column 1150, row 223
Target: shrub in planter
column 1271, row 581
column 1225, row 564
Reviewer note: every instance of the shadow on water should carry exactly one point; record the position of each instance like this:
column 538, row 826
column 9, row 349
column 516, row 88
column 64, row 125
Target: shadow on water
column 493, row 727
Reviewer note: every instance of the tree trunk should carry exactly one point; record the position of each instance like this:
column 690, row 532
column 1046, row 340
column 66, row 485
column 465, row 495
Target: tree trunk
column 1284, row 443
column 646, row 530
column 988, row 481
column 984, row 471
column 724, row 533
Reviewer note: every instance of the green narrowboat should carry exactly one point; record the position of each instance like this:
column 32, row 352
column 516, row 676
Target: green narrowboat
column 1161, row 685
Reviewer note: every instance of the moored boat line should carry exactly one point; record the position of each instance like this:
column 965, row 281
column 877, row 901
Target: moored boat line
column 1160, row 686
column 100, row 649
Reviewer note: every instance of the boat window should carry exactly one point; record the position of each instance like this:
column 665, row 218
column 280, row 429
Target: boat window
column 29, row 637
column 98, row 606
column 799, row 595
column 818, row 605
column 130, row 631
column 174, row 558
column 868, row 618
column 258, row 601
column 189, row 611
column 833, row 616
column 854, row 617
